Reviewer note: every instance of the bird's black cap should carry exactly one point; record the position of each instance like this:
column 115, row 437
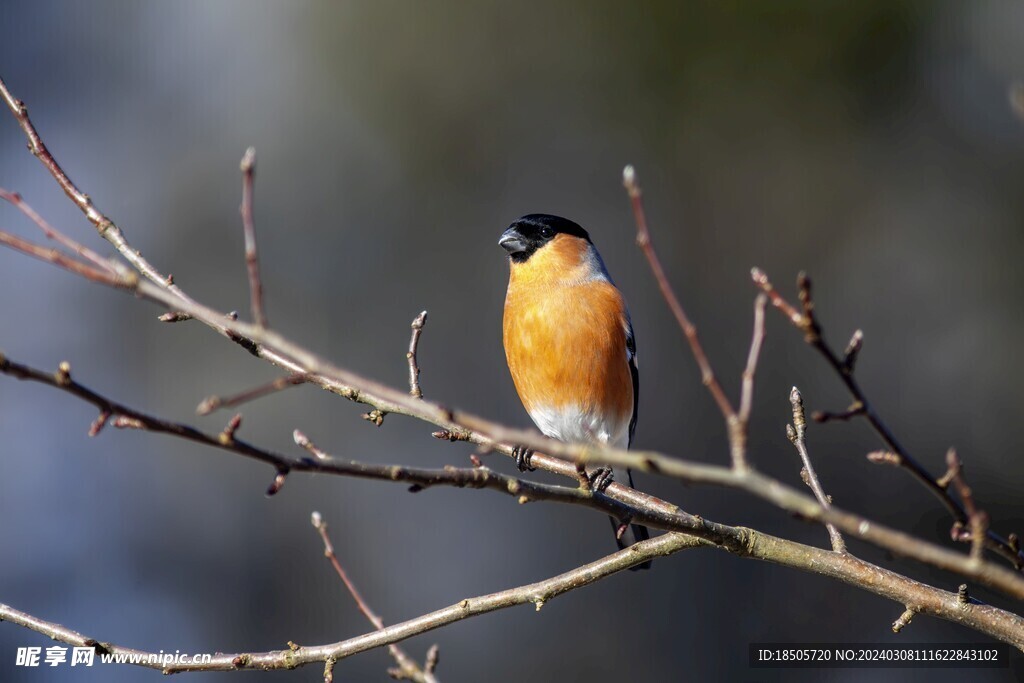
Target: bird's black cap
column 536, row 222
column 529, row 233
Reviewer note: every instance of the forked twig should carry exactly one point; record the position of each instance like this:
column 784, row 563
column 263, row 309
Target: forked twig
column 106, row 227
column 408, row 668
column 737, row 427
column 52, row 233
column 895, row 454
column 977, row 519
column 62, row 260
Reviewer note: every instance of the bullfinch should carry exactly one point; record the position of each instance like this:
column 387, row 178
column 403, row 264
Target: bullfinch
column 569, row 343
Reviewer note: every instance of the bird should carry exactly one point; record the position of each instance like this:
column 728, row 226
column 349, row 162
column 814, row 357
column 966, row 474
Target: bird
column 569, row 344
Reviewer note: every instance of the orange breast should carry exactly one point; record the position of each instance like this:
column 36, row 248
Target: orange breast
column 565, row 340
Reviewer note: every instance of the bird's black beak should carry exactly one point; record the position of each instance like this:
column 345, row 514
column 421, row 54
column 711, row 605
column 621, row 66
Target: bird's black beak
column 512, row 241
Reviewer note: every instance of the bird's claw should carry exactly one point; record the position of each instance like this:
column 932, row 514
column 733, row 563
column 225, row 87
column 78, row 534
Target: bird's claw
column 601, row 478
column 522, row 456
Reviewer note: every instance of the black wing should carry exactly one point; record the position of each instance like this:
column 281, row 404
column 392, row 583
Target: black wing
column 631, row 356
column 635, row 533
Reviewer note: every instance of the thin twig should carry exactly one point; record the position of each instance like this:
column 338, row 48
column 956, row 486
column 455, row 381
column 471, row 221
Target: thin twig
column 52, row 233
column 408, row 668
column 252, row 262
column 433, row 658
column 62, row 260
column 762, row 281
column 643, row 240
column 414, row 341
column 844, row 368
column 797, row 435
column 855, row 410
column 106, row 227
column 212, row 403
column 747, row 393
column 524, row 491
column 736, row 426
column 977, row 519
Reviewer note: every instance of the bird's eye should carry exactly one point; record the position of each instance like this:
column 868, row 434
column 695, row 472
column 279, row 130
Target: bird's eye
column 547, row 233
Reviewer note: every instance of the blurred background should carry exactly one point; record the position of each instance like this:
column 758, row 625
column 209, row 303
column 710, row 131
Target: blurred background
column 869, row 143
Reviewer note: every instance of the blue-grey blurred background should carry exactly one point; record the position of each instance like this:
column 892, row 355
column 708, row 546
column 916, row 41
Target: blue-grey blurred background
column 869, row 143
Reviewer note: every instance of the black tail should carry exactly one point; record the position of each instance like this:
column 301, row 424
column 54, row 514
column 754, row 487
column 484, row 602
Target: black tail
column 634, row 533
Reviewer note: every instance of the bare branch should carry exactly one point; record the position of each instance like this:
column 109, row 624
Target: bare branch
column 536, row 594
column 52, row 233
column 522, row 490
column 747, row 394
column 658, row 514
column 797, row 435
column 977, row 519
column 761, row 280
column 268, row 344
column 643, row 240
column 252, row 262
column 856, row 409
column 414, row 341
column 212, row 403
column 124, row 417
column 861, row 406
column 617, row 500
column 926, row 600
column 106, row 228
column 62, row 260
column 408, row 668
column 433, row 658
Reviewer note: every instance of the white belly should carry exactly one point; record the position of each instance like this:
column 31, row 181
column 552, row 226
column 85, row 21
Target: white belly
column 575, row 425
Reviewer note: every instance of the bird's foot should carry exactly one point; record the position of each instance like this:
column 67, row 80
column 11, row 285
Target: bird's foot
column 600, row 478
column 522, row 456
